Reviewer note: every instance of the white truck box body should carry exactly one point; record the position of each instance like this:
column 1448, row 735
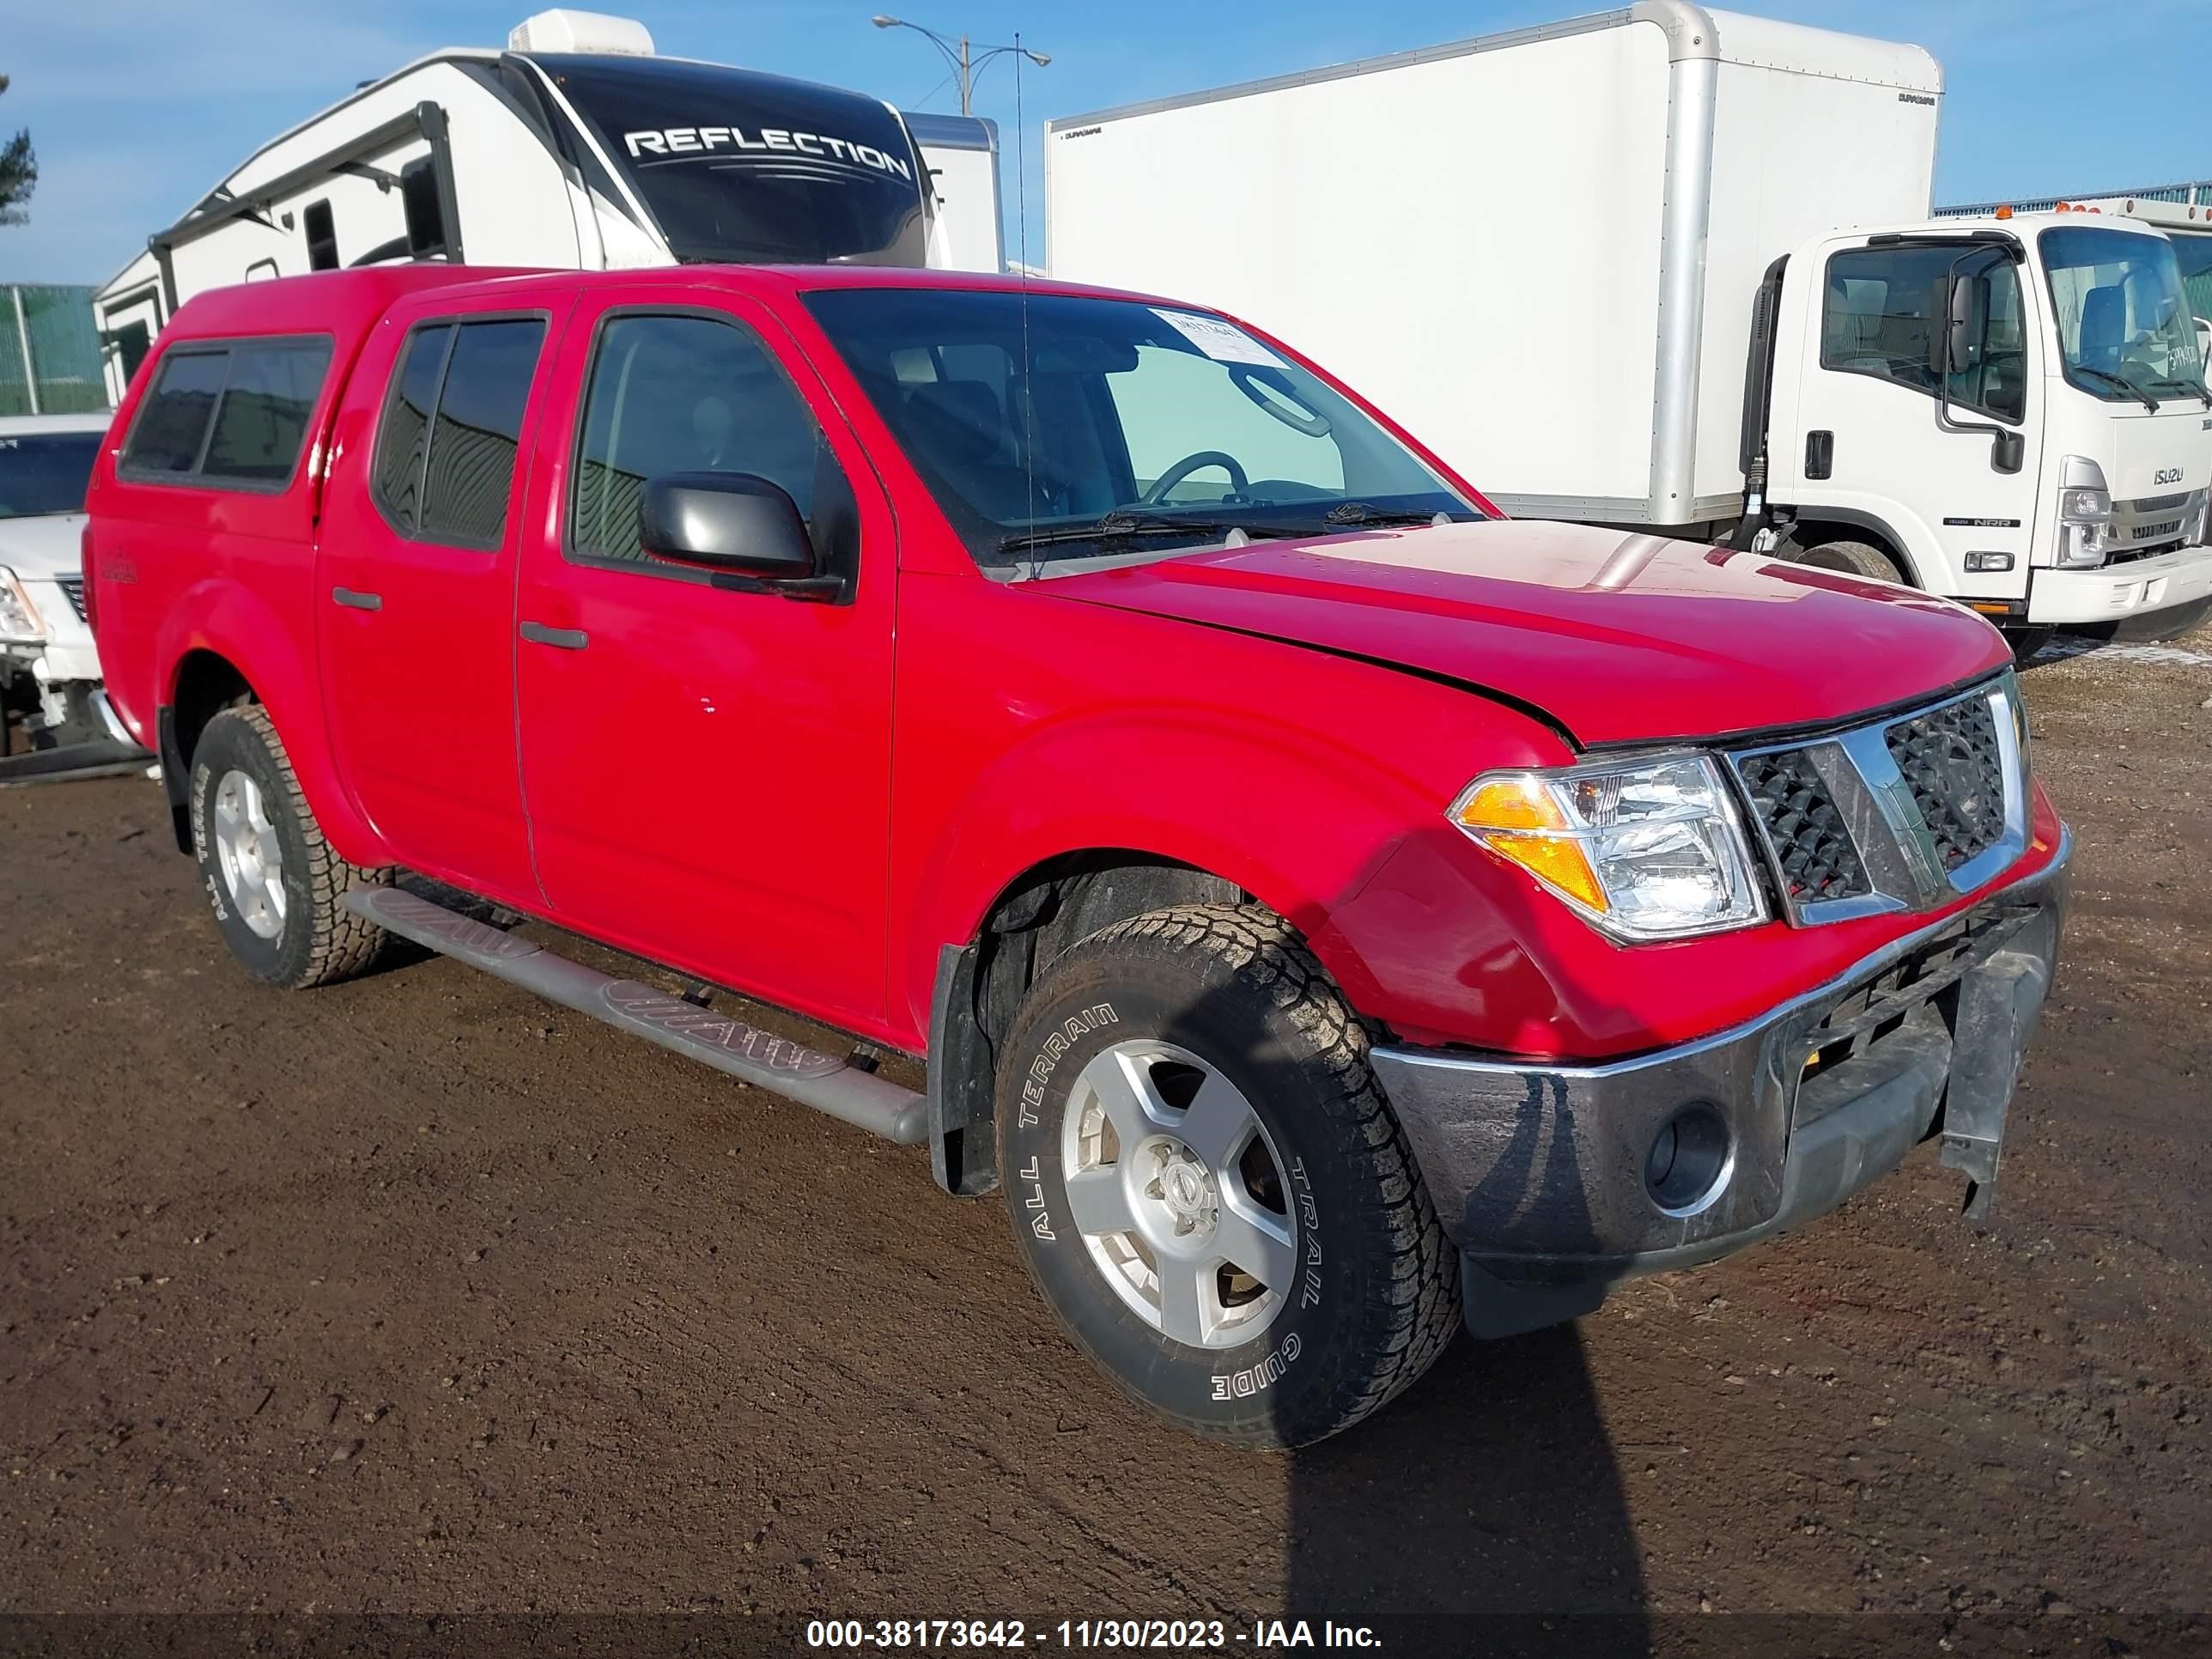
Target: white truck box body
column 961, row 155
column 1550, row 238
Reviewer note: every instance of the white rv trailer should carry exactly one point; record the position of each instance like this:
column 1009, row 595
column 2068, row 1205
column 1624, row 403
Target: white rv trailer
column 578, row 146
column 1670, row 267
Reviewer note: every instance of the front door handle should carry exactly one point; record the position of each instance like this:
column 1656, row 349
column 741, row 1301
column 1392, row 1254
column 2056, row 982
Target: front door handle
column 353, row 601
column 561, row 639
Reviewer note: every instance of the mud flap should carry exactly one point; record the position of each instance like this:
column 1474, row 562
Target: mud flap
column 1494, row 1307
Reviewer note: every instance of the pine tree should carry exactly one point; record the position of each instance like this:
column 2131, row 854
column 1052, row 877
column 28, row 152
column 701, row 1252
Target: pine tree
column 19, row 173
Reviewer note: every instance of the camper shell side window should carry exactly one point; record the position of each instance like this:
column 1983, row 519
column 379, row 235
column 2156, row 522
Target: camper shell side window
column 228, row 414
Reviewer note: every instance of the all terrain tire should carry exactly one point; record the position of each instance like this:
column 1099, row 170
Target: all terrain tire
column 278, row 888
column 1208, row 1185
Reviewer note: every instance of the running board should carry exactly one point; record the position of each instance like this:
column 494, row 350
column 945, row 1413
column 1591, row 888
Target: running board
column 821, row 1081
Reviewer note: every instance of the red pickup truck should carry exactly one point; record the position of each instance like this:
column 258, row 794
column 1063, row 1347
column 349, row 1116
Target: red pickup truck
column 1328, row 912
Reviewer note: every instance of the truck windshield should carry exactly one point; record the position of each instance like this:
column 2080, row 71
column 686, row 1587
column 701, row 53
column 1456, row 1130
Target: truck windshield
column 43, row 472
column 750, row 168
column 1053, row 427
column 2193, row 253
column 2125, row 329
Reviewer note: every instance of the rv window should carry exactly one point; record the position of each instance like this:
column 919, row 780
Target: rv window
column 165, row 437
column 403, row 442
column 748, row 167
column 322, row 236
column 426, row 221
column 261, row 424
column 479, row 431
column 684, row 394
column 132, row 342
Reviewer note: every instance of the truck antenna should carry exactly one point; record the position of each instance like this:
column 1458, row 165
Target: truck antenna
column 1021, row 278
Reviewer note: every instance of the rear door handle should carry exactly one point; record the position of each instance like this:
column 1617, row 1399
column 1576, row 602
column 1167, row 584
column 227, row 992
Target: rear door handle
column 353, row 601
column 561, row 639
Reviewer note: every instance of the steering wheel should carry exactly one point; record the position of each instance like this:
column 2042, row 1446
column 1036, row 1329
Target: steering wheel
column 1238, row 483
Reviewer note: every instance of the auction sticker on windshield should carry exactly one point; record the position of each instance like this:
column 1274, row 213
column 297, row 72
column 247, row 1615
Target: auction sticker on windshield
column 1225, row 342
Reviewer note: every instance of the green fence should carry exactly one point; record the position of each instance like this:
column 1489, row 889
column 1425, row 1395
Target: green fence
column 49, row 352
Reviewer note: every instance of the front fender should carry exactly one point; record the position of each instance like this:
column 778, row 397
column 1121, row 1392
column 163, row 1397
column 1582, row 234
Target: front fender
column 1300, row 819
column 221, row 615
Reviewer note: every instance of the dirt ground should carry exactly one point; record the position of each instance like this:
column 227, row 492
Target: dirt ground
column 417, row 1294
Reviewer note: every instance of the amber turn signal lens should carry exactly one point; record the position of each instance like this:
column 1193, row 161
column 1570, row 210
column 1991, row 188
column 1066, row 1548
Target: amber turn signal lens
column 1561, row 862
column 1511, row 803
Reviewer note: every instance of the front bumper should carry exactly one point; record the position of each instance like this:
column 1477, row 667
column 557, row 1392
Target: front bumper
column 2120, row 591
column 1538, row 1173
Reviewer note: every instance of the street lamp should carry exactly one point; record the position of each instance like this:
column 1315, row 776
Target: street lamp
column 957, row 53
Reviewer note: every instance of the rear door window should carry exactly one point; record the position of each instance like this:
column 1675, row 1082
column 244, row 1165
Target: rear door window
column 451, row 433
column 234, row 415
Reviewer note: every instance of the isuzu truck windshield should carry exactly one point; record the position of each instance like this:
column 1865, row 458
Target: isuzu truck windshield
column 752, row 169
column 2124, row 327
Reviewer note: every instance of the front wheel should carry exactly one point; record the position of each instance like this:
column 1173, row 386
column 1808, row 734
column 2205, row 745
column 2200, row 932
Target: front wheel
column 276, row 887
column 1852, row 558
column 2154, row 629
column 1208, row 1185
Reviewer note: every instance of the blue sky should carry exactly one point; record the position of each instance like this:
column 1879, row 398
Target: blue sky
column 137, row 107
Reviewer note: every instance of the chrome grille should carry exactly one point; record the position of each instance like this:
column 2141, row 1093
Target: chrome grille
column 2143, row 504
column 72, row 589
column 2149, row 524
column 1949, row 756
column 1897, row 814
column 1811, row 844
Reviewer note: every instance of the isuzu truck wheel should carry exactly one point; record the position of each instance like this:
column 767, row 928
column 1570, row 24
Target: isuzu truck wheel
column 1853, row 558
column 277, row 890
column 1208, row 1185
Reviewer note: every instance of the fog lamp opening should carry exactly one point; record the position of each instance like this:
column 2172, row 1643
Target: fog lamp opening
column 1689, row 1161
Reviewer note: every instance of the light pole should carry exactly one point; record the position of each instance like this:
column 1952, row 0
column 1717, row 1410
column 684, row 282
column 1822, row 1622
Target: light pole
column 957, row 53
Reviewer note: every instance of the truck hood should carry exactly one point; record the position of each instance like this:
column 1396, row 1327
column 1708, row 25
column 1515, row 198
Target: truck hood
column 1617, row 639
column 40, row 549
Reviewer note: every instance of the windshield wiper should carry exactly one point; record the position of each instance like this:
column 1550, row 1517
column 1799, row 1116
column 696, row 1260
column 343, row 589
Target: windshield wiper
column 2124, row 385
column 1120, row 524
column 2193, row 388
column 1347, row 513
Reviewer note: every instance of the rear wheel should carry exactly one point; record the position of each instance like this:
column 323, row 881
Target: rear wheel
column 277, row 889
column 1853, row 557
column 1209, row 1187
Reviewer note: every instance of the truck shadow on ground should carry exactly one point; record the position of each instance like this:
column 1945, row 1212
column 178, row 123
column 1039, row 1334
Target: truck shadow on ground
column 1485, row 1503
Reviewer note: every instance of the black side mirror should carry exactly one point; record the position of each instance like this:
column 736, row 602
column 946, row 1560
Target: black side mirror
column 733, row 523
column 1956, row 329
column 1966, row 322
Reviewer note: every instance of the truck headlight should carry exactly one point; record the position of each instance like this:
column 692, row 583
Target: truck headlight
column 19, row 618
column 2085, row 516
column 1647, row 849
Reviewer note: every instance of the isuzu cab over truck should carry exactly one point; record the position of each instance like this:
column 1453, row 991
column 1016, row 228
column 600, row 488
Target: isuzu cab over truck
column 1326, row 913
column 1672, row 268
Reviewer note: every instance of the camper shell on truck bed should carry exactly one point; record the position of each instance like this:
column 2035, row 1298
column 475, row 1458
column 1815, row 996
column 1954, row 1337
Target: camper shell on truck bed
column 1617, row 903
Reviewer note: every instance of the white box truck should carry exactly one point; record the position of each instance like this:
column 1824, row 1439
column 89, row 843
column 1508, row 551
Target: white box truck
column 579, row 146
column 1675, row 268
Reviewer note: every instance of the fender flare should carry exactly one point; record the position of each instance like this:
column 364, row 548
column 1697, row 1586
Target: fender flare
column 229, row 620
